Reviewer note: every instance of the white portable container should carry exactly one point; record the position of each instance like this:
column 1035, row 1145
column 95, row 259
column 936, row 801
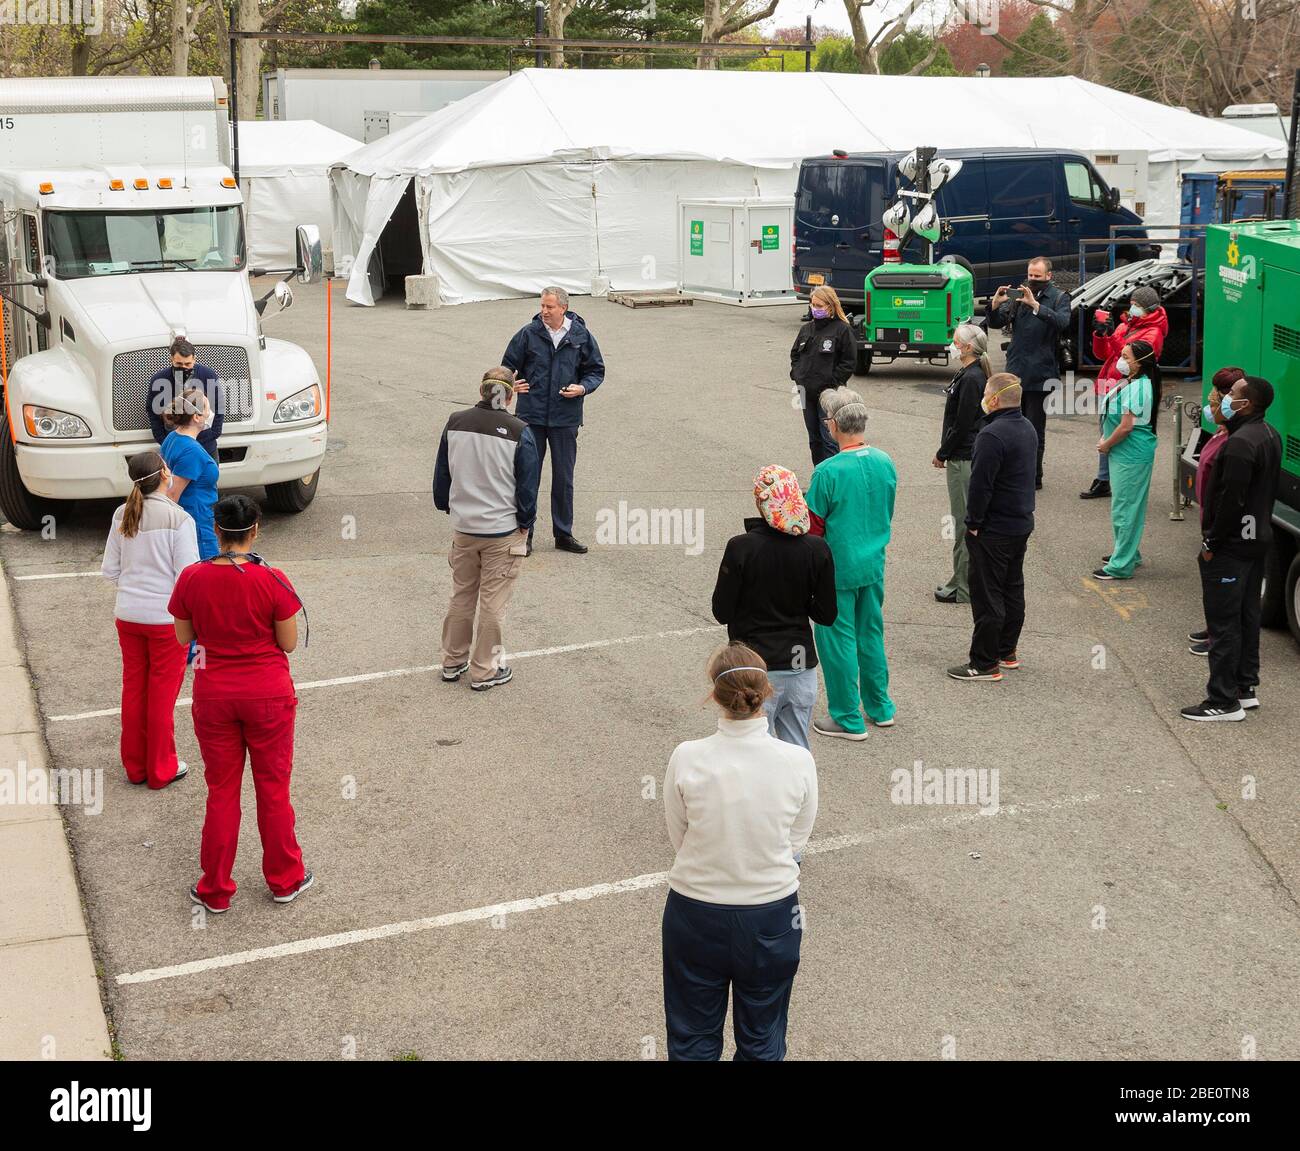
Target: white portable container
column 123, row 229
column 736, row 251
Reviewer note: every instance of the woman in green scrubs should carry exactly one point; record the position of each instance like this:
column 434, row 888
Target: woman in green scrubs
column 853, row 494
column 1129, row 414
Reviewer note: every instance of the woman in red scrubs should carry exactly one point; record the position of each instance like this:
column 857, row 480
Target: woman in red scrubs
column 242, row 614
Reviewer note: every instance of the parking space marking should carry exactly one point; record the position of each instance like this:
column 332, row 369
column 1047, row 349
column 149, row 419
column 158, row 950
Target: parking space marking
column 59, row 575
column 372, row 676
column 574, row 895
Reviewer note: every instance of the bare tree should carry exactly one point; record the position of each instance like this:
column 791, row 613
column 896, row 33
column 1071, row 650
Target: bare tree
column 726, row 18
column 868, row 48
column 185, row 19
column 253, row 16
column 557, row 12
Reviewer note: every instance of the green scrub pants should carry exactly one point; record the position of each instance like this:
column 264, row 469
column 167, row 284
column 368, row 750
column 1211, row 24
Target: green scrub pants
column 957, row 474
column 852, row 655
column 1130, row 484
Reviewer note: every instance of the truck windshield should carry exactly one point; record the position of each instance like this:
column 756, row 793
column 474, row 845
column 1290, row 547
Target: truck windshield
column 116, row 243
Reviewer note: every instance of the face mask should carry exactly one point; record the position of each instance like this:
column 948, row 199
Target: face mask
column 1225, row 406
column 1123, row 368
column 1208, row 413
column 820, row 313
column 1038, row 287
column 1137, row 311
column 954, row 351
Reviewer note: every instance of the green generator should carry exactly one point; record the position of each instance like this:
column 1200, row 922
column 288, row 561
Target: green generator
column 912, row 310
column 1252, row 321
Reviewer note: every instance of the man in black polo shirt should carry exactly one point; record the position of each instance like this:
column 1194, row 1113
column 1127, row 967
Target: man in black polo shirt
column 1238, row 522
column 169, row 383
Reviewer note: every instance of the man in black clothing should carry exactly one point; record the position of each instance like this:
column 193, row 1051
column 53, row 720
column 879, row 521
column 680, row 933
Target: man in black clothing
column 186, row 372
column 1037, row 313
column 999, row 520
column 771, row 580
column 1237, row 518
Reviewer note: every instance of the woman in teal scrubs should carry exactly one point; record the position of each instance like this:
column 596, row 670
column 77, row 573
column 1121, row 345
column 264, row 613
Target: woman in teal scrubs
column 1129, row 414
column 853, row 493
column 194, row 472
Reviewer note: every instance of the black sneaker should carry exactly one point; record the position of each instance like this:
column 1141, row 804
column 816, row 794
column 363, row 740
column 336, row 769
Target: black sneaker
column 196, row 898
column 1198, row 636
column 1247, row 698
column 503, row 675
column 452, row 674
column 307, row 881
column 1102, row 573
column 946, row 596
column 569, row 544
column 1208, row 713
column 965, row 671
column 1100, row 490
column 1202, row 647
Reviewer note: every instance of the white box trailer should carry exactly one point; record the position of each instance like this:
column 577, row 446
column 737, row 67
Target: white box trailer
column 736, row 251
column 122, row 230
column 377, row 125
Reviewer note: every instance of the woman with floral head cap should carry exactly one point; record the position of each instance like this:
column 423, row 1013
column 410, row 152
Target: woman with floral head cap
column 773, row 579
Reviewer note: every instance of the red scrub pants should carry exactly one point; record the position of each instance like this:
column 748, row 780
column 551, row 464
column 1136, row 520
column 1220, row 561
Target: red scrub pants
column 227, row 729
column 153, row 668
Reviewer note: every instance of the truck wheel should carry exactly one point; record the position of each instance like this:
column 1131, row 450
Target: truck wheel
column 862, row 365
column 1293, row 598
column 293, row 496
column 1276, row 589
column 20, row 507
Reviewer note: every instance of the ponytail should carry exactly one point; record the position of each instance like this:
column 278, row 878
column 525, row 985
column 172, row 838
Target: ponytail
column 145, row 470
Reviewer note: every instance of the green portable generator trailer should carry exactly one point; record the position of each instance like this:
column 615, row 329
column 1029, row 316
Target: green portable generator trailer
column 912, row 310
column 1252, row 321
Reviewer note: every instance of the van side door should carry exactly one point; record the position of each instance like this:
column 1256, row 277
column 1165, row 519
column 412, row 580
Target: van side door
column 963, row 206
column 1023, row 216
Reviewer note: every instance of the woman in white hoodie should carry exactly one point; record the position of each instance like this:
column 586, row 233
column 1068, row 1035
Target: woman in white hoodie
column 151, row 542
column 740, row 806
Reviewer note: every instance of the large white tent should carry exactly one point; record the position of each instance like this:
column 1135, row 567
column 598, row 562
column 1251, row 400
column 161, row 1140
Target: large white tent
column 561, row 176
column 284, row 174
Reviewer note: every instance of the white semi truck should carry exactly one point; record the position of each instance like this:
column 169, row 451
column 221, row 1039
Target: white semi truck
column 122, row 231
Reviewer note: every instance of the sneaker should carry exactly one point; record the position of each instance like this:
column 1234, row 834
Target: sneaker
column 1207, row 713
column 1200, row 648
column 503, row 675
column 1247, row 698
column 1102, row 573
column 1198, row 636
column 882, row 722
column 1100, row 490
column 824, row 725
column 1011, row 661
column 965, row 671
column 945, row 596
column 452, row 674
column 307, row 881
column 196, row 898
column 182, row 770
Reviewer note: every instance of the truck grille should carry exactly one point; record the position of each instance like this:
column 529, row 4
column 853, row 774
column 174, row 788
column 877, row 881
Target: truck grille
column 132, row 372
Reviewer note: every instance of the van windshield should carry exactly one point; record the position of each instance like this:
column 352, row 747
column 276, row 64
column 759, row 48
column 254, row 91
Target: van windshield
column 97, row 243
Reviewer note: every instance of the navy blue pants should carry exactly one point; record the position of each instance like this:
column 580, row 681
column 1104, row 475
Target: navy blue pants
column 563, row 443
column 710, row 947
column 821, row 443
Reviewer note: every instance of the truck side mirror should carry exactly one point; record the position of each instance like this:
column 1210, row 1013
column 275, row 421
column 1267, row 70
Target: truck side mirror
column 310, row 262
column 1112, row 199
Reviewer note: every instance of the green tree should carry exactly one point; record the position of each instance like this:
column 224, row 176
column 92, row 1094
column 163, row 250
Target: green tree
column 916, row 53
column 1040, row 50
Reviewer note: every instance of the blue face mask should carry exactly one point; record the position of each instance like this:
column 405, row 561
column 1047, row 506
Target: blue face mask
column 1208, row 413
column 1225, row 406
column 1137, row 310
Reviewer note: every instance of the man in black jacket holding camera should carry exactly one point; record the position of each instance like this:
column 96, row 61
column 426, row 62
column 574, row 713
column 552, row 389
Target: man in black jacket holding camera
column 1237, row 516
column 1037, row 313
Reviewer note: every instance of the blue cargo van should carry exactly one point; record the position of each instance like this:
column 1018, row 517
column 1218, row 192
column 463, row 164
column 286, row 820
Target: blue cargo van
column 1004, row 208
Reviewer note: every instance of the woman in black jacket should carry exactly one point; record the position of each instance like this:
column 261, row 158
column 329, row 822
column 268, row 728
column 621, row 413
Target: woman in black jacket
column 823, row 357
column 961, row 421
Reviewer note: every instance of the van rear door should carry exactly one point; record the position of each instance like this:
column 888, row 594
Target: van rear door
column 1023, row 215
column 838, row 233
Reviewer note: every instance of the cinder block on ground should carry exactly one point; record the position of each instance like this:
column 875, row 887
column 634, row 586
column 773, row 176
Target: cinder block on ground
column 422, row 292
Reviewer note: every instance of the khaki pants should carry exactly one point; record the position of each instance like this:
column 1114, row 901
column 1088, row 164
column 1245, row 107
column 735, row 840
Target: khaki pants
column 483, row 576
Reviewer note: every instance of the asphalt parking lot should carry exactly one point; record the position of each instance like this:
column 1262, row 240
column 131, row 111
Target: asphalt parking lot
column 490, row 867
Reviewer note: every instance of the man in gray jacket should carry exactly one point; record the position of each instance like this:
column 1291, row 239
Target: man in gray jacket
column 486, row 480
column 1037, row 313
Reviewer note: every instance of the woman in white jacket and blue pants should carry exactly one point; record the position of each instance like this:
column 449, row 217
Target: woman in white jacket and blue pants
column 151, row 542
column 740, row 806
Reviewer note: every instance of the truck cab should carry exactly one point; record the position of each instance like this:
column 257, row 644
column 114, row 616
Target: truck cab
column 117, row 239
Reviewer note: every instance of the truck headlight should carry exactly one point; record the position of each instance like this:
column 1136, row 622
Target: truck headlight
column 51, row 424
column 299, row 406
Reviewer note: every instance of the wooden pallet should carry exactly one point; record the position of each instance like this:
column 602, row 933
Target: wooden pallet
column 650, row 299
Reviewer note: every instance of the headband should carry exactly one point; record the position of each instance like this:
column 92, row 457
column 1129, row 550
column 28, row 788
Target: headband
column 235, row 531
column 729, row 670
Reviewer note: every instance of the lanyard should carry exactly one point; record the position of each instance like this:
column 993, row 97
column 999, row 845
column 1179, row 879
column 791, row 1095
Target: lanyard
column 258, row 561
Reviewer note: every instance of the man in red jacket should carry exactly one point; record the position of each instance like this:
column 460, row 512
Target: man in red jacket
column 1146, row 320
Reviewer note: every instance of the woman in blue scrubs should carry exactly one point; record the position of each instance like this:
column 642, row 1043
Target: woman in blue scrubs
column 194, row 471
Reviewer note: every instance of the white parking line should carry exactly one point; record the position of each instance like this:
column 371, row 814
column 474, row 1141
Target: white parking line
column 557, row 898
column 59, row 575
column 371, row 676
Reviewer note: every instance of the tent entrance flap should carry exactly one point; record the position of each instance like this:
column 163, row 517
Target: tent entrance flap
column 381, row 199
